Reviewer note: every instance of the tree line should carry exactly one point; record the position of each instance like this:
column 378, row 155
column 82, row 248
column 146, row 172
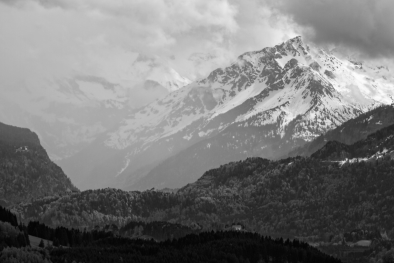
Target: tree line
column 61, row 236
column 12, row 234
column 7, row 216
column 228, row 246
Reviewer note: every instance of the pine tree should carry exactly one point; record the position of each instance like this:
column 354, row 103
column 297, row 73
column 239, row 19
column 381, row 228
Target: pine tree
column 55, row 242
column 42, row 245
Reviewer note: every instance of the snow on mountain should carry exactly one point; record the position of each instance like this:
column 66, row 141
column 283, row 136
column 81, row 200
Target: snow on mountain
column 291, row 92
column 287, row 76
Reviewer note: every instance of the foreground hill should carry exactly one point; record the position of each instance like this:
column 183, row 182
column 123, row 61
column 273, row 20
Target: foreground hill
column 205, row 247
column 26, row 172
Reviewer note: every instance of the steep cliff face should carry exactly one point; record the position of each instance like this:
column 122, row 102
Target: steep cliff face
column 26, row 172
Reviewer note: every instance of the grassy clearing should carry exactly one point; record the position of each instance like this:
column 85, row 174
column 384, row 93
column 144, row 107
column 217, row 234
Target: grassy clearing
column 35, row 241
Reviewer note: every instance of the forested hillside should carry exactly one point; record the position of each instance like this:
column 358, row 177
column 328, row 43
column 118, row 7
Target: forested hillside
column 316, row 198
column 178, row 244
column 297, row 197
column 26, row 171
column 97, row 207
column 157, row 230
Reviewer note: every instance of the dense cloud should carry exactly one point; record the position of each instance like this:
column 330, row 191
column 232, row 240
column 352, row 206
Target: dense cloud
column 101, row 37
column 365, row 25
column 91, row 36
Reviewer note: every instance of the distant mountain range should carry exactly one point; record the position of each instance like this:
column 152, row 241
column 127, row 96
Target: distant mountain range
column 26, row 172
column 265, row 104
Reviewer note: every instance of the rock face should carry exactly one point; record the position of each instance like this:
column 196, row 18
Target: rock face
column 264, row 104
column 26, row 172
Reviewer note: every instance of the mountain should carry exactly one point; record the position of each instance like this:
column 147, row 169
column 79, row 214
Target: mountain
column 264, row 104
column 351, row 131
column 26, row 172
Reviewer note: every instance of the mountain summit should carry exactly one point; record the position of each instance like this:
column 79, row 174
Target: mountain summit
column 264, row 104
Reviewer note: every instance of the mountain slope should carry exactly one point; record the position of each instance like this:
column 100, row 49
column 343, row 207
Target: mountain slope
column 351, row 131
column 374, row 147
column 26, row 172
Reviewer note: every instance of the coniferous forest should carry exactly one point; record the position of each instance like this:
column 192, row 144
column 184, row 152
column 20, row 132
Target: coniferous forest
column 204, row 247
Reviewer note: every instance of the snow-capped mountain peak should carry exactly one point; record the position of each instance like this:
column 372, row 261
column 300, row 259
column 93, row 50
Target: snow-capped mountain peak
column 291, row 76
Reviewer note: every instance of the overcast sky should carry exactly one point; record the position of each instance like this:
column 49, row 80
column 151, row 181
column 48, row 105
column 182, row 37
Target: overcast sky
column 101, row 37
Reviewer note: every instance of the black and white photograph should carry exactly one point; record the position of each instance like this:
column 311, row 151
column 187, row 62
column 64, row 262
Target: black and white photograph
column 197, row 131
